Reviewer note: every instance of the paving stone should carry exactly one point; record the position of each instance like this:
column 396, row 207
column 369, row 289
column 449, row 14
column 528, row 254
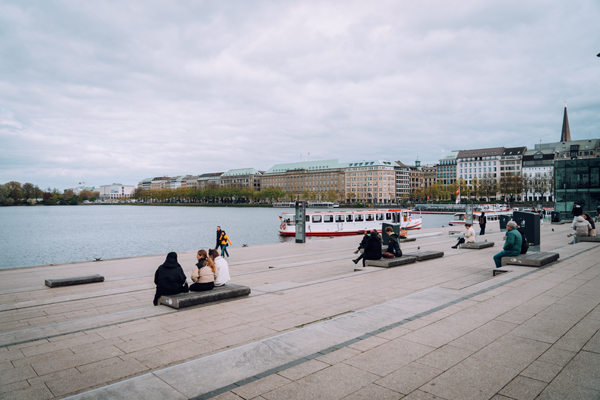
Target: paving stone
column 12, row 387
column 542, row 371
column 409, row 378
column 393, row 333
column 512, row 352
column 581, row 371
column 37, row 392
column 557, row 356
column 523, row 388
column 374, row 392
column 368, row 343
column 470, row 379
column 301, row 370
column 260, row 386
column 483, row 336
column 579, row 335
column 445, row 357
column 420, row 395
column 593, row 345
column 388, row 357
column 16, row 374
column 337, row 356
column 571, row 392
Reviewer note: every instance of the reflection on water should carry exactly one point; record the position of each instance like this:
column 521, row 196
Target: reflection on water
column 43, row 235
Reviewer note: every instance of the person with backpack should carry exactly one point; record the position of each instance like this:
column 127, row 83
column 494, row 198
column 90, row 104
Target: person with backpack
column 525, row 243
column 224, row 241
column 394, row 243
column 482, row 222
column 512, row 245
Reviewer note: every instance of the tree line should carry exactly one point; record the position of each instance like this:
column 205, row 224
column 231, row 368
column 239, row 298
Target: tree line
column 14, row 193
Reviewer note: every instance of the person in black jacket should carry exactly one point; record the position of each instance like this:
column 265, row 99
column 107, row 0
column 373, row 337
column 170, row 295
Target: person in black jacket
column 373, row 249
column 482, row 222
column 394, row 243
column 577, row 210
column 219, row 234
column 169, row 278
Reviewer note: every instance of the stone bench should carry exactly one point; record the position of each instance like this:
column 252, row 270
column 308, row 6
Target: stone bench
column 74, row 280
column 496, row 272
column 588, row 239
column 404, row 240
column 391, row 262
column 228, row 291
column 531, row 259
column 476, row 245
column 425, row 254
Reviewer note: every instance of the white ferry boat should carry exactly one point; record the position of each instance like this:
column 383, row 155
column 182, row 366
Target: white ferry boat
column 284, row 204
column 321, row 204
column 341, row 223
column 492, row 216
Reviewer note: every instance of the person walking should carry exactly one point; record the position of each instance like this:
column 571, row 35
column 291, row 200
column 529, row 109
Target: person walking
column 224, row 243
column 512, row 245
column 482, row 222
column 169, row 278
column 218, row 238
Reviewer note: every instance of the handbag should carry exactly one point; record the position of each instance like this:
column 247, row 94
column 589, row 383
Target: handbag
column 385, row 254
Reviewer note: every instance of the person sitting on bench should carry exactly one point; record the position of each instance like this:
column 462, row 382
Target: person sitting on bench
column 222, row 267
column 469, row 236
column 512, row 245
column 403, row 233
column 394, row 243
column 169, row 278
column 373, row 248
column 204, row 274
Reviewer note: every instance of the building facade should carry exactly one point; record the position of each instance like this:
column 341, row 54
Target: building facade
column 116, row 191
column 446, row 171
column 372, row 182
column 248, row 178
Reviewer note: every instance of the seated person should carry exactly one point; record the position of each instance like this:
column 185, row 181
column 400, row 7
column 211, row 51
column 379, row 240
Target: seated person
column 372, row 249
column 221, row 266
column 582, row 228
column 469, row 236
column 403, row 233
column 169, row 278
column 512, row 245
column 394, row 243
column 204, row 274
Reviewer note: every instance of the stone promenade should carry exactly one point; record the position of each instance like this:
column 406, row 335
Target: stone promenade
column 313, row 328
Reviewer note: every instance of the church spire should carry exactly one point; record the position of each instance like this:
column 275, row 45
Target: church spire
column 565, row 135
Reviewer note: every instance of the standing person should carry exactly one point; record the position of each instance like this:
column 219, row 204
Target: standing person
column 394, row 243
column 469, row 236
column 204, row 273
column 224, row 243
column 589, row 219
column 482, row 222
column 169, row 278
column 362, row 245
column 512, row 245
column 222, row 267
column 373, row 251
column 218, row 238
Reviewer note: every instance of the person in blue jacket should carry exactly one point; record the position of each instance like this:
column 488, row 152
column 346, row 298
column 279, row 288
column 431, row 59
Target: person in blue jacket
column 512, row 245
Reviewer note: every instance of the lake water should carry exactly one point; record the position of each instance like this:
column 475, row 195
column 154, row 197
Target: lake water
column 42, row 235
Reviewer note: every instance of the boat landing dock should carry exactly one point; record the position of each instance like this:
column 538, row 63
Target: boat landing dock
column 313, row 328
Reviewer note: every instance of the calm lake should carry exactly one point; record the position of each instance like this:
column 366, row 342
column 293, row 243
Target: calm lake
column 42, row 235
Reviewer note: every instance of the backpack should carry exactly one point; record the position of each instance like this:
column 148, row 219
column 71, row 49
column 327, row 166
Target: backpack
column 524, row 244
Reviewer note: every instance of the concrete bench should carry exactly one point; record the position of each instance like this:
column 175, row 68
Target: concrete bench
column 74, row 280
column 588, row 239
column 477, row 245
column 496, row 272
column 425, row 254
column 404, row 240
column 228, row 291
column 391, row 262
column 531, row 259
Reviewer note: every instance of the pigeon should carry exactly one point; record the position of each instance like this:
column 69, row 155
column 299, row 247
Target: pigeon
column 552, row 229
column 98, row 259
column 418, row 247
column 244, row 245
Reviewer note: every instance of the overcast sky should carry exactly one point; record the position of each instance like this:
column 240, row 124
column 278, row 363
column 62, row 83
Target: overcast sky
column 118, row 91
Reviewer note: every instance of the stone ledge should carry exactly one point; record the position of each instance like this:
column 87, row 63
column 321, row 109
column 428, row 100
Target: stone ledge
column 588, row 239
column 532, row 259
column 391, row 262
column 407, row 240
column 74, row 280
column 477, row 245
column 228, row 291
column 425, row 254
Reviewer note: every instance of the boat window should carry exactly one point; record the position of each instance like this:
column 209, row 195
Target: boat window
column 358, row 218
column 348, row 218
column 316, row 218
column 307, row 218
column 369, row 217
column 379, row 217
column 327, row 218
column 388, row 216
column 339, row 218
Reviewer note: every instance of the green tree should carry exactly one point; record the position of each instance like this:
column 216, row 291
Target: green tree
column 4, row 194
column 15, row 190
column 331, row 195
column 28, row 190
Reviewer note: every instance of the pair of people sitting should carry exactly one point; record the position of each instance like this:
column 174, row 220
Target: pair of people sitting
column 372, row 245
column 211, row 270
column 583, row 225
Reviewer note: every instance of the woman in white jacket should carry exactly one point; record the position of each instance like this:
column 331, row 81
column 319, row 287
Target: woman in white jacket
column 469, row 236
column 222, row 267
column 582, row 228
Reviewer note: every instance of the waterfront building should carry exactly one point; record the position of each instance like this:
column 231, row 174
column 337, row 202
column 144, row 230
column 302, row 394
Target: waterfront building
column 429, row 175
column 314, row 177
column 446, row 171
column 479, row 163
column 511, row 161
column 577, row 180
column 209, row 179
column 402, row 175
column 416, row 177
column 77, row 190
column 538, row 172
column 248, row 178
column 190, row 181
column 175, row 182
column 159, row 183
column 145, row 184
column 372, row 182
column 116, row 191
